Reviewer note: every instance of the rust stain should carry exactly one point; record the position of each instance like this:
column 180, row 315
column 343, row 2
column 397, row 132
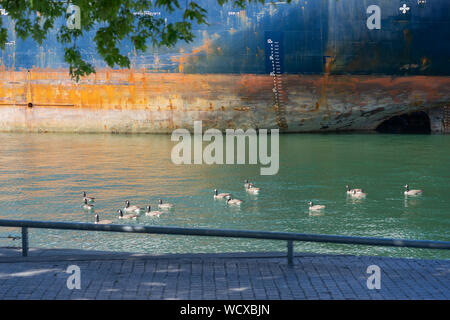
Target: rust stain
column 184, row 57
column 246, row 109
column 246, row 22
column 135, row 88
column 425, row 63
column 245, row 99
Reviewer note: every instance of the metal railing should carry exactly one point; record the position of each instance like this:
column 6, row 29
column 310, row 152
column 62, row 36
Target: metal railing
column 265, row 235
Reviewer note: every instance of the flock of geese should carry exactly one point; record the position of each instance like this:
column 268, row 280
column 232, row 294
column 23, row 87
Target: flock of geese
column 133, row 212
column 249, row 187
column 360, row 194
column 129, row 211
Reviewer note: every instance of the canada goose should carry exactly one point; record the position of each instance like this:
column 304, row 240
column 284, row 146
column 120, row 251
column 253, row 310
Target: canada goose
column 350, row 191
column 133, row 209
column 359, row 195
column 87, row 206
column 98, row 221
column 127, row 216
column 150, row 213
column 162, row 205
column 246, row 184
column 315, row 207
column 235, row 202
column 89, row 199
column 412, row 192
column 220, row 195
column 252, row 189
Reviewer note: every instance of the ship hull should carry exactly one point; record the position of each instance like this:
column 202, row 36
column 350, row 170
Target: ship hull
column 129, row 101
column 306, row 66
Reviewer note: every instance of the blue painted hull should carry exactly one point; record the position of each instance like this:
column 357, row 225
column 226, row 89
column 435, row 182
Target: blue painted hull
column 309, row 33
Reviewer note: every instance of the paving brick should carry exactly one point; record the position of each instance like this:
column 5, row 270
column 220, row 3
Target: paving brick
column 215, row 277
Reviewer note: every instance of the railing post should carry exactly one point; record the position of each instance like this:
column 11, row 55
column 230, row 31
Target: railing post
column 24, row 241
column 290, row 253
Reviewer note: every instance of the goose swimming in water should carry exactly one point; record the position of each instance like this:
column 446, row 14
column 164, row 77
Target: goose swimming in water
column 359, row 195
column 133, row 209
column 315, row 207
column 252, row 189
column 127, row 216
column 220, row 195
column 98, row 221
column 165, row 206
column 412, row 192
column 87, row 206
column 235, row 202
column 89, row 199
column 150, row 213
column 350, row 191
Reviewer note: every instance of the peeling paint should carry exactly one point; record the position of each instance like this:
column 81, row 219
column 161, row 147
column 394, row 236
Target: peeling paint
column 135, row 101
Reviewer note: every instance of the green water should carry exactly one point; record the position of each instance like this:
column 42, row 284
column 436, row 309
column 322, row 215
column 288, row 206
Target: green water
column 42, row 177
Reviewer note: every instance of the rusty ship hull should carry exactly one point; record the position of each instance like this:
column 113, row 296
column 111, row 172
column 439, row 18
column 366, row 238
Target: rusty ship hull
column 307, row 66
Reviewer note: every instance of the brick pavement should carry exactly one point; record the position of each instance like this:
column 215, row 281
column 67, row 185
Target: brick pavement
column 240, row 276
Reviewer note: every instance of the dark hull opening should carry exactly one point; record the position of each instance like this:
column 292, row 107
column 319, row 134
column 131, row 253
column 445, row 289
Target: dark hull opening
column 415, row 122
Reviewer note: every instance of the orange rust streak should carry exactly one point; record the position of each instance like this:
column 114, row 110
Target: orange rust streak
column 135, row 89
column 183, row 58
